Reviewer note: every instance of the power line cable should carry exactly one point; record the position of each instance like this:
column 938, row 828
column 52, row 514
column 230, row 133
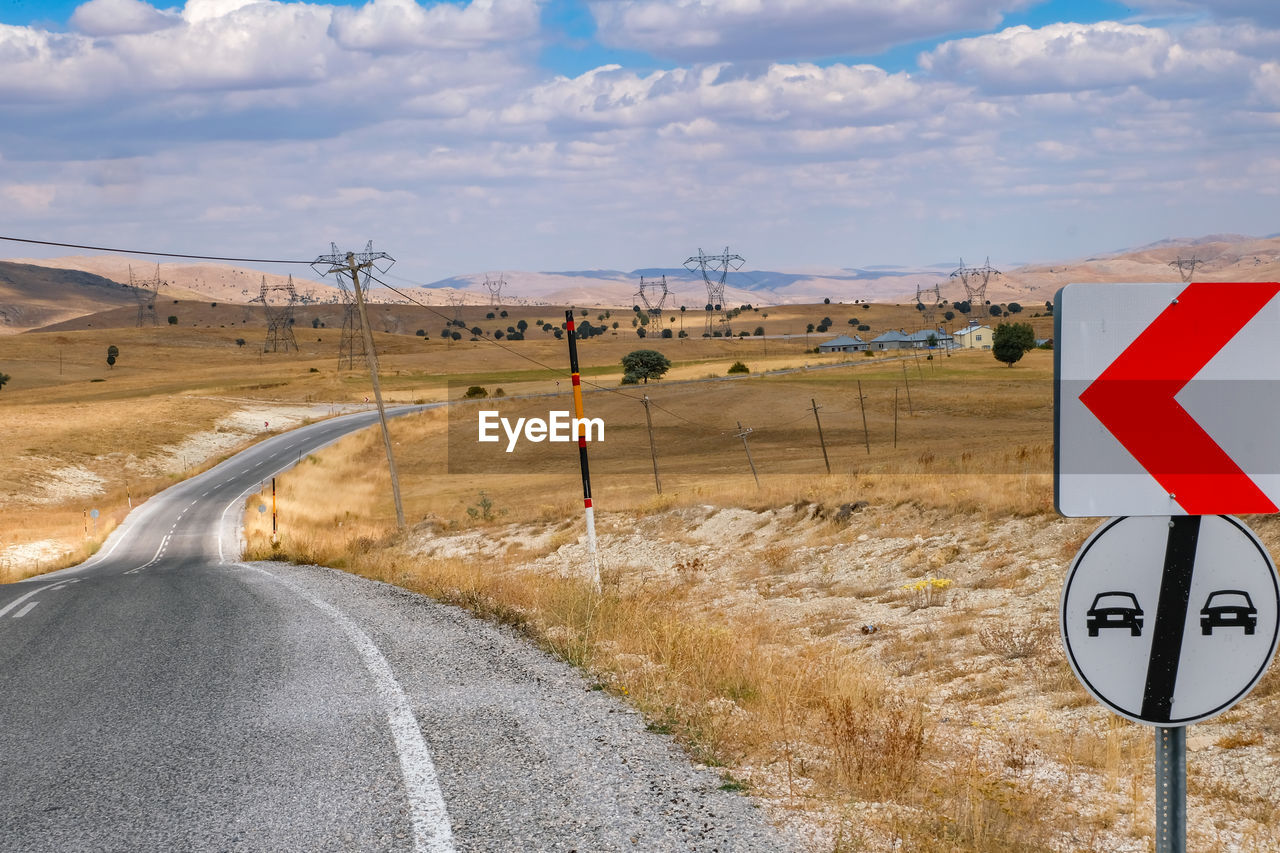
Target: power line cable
column 561, row 371
column 152, row 254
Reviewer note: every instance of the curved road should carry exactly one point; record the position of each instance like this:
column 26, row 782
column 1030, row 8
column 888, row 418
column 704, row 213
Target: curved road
column 163, row 696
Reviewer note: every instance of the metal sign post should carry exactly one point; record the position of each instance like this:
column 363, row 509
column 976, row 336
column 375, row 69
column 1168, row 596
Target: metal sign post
column 1171, row 789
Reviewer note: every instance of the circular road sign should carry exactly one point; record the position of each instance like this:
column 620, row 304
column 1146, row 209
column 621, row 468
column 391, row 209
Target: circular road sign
column 1171, row 620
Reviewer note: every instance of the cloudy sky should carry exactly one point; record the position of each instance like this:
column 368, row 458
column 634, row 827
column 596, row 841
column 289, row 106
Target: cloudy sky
column 499, row 135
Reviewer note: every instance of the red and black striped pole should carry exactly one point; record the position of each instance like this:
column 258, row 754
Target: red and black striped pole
column 581, row 429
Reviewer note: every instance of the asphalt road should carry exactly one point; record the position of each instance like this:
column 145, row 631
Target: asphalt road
column 164, row 696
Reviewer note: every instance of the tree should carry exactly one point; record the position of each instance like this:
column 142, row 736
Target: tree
column 173, row 319
column 475, row 392
column 738, row 367
column 949, row 316
column 666, row 333
column 113, row 352
column 1015, row 308
column 240, row 342
column 4, row 379
column 826, row 301
column 645, row 364
column 1011, row 340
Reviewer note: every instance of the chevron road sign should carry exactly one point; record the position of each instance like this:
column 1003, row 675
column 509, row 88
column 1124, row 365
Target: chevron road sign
column 1167, row 399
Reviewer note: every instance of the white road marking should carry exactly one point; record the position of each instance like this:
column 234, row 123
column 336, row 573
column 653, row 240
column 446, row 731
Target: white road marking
column 51, row 588
column 427, row 812
column 24, row 611
column 19, row 600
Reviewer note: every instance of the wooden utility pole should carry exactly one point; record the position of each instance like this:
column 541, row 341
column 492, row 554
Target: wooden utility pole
column 372, row 358
column 895, row 418
column 862, row 402
column 743, row 435
column 653, row 448
column 910, row 410
column 821, row 440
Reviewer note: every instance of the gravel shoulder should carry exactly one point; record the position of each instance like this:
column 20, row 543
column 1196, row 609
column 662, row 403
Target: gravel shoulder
column 530, row 756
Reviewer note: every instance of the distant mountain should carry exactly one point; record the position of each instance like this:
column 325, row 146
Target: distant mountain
column 34, row 296
column 76, row 286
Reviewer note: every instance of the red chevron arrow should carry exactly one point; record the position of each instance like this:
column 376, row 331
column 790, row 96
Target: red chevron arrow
column 1134, row 398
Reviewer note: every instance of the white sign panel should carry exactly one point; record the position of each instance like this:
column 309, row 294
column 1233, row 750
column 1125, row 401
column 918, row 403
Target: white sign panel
column 1171, row 620
column 1167, row 399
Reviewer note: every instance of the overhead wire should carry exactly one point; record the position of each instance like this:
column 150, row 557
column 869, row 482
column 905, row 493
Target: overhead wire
column 558, row 370
column 152, row 254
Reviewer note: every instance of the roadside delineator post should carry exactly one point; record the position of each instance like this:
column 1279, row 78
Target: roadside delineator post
column 582, row 449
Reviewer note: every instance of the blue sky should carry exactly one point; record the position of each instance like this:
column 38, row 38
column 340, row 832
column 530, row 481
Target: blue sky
column 568, row 134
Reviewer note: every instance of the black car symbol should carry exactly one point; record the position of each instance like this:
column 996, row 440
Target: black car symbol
column 1228, row 608
column 1114, row 610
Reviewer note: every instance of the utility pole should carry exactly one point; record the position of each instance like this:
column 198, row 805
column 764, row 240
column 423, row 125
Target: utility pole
column 351, row 263
column 911, row 411
column 862, row 402
column 895, row 418
column 743, row 435
column 653, row 448
column 821, row 440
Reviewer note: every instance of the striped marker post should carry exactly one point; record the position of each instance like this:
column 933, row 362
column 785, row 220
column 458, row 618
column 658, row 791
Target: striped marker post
column 582, row 449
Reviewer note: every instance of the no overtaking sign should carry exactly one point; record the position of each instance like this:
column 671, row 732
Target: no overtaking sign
column 1171, row 620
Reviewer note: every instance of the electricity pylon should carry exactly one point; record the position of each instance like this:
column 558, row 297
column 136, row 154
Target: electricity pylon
column 352, row 264
column 708, row 265
column 146, row 292
column 278, row 301
column 975, row 281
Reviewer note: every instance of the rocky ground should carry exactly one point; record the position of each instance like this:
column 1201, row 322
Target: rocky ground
column 959, row 609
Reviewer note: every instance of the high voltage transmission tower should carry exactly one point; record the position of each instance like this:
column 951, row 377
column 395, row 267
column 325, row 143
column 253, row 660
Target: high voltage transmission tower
column 652, row 295
column 928, row 301
column 278, row 301
column 352, row 264
column 1186, row 267
column 975, row 281
column 719, row 265
column 146, row 292
column 456, row 301
column 495, row 289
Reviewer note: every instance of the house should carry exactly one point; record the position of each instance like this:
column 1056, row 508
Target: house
column 973, row 336
column 891, row 340
column 844, row 343
column 920, row 339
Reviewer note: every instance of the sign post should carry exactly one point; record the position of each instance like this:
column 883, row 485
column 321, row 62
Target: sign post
column 1165, row 398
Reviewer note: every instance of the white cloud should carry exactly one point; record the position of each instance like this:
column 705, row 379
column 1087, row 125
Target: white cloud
column 236, row 127
column 120, row 17
column 390, row 25
column 797, row 96
column 1071, row 57
column 711, row 30
column 1262, row 11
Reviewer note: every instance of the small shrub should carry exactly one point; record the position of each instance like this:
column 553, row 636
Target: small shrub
column 475, row 392
column 928, row 592
column 739, row 367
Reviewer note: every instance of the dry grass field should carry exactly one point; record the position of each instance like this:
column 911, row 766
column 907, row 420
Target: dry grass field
column 883, row 678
